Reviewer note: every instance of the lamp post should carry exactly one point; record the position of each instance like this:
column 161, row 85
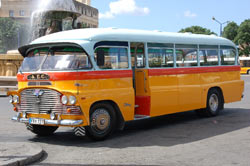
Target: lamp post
column 213, row 18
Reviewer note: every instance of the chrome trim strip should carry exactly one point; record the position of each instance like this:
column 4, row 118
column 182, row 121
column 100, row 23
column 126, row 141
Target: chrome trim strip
column 65, row 122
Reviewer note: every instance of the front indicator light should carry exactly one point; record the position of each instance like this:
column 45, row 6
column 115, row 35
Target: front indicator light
column 15, row 99
column 69, row 110
column 64, row 99
column 15, row 109
column 72, row 100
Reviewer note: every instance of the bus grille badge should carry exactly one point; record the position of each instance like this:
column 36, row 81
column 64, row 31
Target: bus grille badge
column 38, row 92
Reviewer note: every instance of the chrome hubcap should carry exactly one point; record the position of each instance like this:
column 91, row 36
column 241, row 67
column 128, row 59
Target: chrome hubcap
column 213, row 102
column 100, row 120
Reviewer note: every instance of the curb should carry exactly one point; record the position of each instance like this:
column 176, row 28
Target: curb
column 19, row 154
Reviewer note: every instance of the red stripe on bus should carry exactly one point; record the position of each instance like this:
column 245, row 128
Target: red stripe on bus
column 65, row 76
column 192, row 70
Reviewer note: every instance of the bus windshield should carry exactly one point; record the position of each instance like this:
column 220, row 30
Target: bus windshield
column 33, row 60
column 56, row 59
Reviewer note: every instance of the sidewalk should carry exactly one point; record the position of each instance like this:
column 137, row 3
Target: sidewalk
column 19, row 153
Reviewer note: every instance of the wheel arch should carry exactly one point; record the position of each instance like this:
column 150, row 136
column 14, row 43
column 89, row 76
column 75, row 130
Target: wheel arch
column 120, row 120
column 219, row 89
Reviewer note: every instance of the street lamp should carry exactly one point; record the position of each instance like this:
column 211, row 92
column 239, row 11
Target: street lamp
column 220, row 24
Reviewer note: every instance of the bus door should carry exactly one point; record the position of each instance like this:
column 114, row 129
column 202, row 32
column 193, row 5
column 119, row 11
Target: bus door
column 140, row 80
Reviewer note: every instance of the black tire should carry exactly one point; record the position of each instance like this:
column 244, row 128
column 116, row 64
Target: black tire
column 215, row 103
column 248, row 72
column 41, row 130
column 102, row 121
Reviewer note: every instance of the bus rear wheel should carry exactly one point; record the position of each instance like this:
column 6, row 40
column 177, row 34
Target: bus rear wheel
column 102, row 121
column 214, row 104
column 41, row 130
column 248, row 72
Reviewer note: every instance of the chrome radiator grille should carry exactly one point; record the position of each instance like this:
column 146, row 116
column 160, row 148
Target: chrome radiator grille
column 42, row 101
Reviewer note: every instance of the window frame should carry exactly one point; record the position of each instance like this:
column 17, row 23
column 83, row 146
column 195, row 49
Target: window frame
column 110, row 46
column 21, row 13
column 225, row 47
column 50, row 45
column 187, row 46
column 210, row 47
column 11, row 13
column 150, row 45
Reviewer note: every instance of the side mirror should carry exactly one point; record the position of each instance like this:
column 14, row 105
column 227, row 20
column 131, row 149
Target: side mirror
column 100, row 57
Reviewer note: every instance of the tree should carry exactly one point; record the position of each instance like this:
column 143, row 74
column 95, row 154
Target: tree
column 198, row 30
column 231, row 31
column 243, row 38
column 8, row 33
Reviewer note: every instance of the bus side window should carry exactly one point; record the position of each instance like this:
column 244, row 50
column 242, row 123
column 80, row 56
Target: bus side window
column 186, row 57
column 228, row 57
column 160, row 57
column 114, row 58
column 209, row 57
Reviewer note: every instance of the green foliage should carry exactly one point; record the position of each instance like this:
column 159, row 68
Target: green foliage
column 243, row 37
column 8, row 33
column 197, row 30
column 231, row 31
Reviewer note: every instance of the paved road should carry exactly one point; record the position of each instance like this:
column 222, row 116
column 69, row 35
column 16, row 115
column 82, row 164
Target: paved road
column 180, row 139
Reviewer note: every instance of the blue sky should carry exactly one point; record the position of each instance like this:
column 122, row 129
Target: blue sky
column 170, row 15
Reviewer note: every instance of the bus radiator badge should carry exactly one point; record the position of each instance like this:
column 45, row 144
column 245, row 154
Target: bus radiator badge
column 38, row 93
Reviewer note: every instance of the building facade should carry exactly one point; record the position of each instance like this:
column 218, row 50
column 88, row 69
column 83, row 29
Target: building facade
column 21, row 10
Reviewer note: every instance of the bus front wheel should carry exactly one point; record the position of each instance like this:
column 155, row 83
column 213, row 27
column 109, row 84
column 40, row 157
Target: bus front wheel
column 102, row 121
column 214, row 104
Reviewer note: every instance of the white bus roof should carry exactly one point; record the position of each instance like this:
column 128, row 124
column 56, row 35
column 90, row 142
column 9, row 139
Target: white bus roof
column 113, row 34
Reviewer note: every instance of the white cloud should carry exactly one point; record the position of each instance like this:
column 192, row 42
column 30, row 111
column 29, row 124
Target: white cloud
column 189, row 14
column 123, row 7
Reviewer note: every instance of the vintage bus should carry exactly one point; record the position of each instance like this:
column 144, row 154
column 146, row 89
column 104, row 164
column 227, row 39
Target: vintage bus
column 245, row 65
column 95, row 80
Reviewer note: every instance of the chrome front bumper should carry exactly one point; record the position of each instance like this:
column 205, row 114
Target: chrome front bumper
column 64, row 122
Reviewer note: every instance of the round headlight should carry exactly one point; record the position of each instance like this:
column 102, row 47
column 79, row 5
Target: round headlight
column 15, row 99
column 11, row 99
column 64, row 99
column 72, row 100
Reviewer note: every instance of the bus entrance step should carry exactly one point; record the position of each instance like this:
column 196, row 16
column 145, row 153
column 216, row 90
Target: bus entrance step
column 138, row 117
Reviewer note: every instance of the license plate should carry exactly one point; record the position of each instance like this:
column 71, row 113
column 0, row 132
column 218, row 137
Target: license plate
column 36, row 121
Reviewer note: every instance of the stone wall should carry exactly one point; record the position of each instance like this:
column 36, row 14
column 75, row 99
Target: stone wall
column 9, row 64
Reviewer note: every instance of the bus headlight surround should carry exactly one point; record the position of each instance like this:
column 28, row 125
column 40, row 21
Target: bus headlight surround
column 64, row 99
column 72, row 100
column 16, row 99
